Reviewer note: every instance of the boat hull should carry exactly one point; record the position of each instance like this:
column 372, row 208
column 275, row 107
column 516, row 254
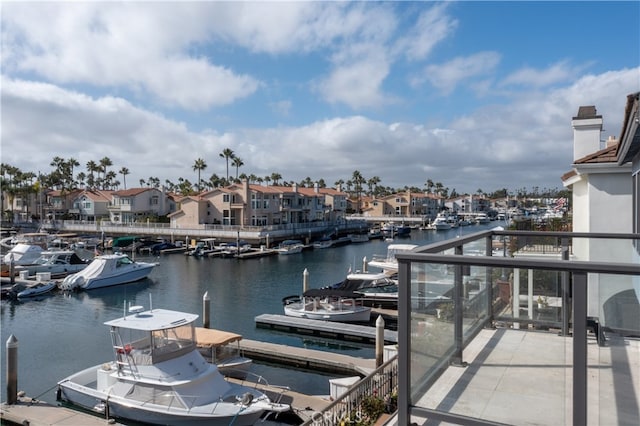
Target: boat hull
column 130, row 276
column 78, row 391
column 361, row 314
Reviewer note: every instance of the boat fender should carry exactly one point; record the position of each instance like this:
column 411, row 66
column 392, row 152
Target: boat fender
column 127, row 348
column 106, row 366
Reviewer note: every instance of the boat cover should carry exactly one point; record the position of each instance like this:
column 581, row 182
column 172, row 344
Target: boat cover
column 207, row 337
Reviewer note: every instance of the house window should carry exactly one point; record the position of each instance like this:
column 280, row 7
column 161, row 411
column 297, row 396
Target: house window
column 86, row 204
column 155, row 200
column 225, row 198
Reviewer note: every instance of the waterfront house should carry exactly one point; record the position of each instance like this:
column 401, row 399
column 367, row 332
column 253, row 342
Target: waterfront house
column 404, row 204
column 136, row 204
column 58, row 203
column 245, row 204
column 91, row 205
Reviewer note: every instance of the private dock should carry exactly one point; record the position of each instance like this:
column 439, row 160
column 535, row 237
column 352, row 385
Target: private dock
column 341, row 331
column 29, row 411
column 308, row 359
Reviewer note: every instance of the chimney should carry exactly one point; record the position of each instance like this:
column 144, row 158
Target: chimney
column 587, row 126
column 315, row 188
column 611, row 141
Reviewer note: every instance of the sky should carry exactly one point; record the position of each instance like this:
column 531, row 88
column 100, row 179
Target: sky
column 475, row 95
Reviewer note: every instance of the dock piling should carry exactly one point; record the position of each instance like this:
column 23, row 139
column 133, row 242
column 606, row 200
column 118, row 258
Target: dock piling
column 305, row 280
column 364, row 264
column 379, row 341
column 12, row 270
column 12, row 370
column 206, row 304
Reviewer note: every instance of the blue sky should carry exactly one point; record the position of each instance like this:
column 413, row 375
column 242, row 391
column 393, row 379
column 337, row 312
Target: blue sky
column 470, row 94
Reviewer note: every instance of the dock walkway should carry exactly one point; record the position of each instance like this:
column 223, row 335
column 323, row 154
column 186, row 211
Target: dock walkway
column 342, row 331
column 28, row 411
column 310, row 359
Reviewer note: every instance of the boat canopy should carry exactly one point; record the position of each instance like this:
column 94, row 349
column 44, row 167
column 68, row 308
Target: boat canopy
column 156, row 319
column 207, row 338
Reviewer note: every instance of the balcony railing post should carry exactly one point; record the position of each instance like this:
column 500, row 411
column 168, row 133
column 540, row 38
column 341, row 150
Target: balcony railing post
column 566, row 290
column 458, row 312
column 489, row 281
column 404, row 341
column 579, row 348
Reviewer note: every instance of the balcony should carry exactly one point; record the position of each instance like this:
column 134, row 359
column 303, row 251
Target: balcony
column 508, row 327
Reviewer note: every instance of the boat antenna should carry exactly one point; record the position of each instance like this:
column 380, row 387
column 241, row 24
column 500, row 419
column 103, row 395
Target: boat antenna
column 150, row 303
column 124, row 313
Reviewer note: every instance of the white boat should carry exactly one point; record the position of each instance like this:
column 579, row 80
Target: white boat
column 440, row 223
column 388, row 262
column 379, row 289
column 327, row 305
column 323, row 243
column 107, row 270
column 23, row 254
column 222, row 348
column 290, row 247
column 158, row 376
column 482, row 218
column 37, row 289
column 56, row 262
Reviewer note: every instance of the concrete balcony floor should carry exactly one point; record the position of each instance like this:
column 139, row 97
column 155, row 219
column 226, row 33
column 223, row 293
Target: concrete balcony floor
column 524, row 377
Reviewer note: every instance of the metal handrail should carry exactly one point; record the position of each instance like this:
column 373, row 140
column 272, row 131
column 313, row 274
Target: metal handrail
column 382, row 383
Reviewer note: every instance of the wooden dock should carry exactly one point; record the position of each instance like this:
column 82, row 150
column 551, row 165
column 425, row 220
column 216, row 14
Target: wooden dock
column 308, row 359
column 334, row 330
column 28, row 411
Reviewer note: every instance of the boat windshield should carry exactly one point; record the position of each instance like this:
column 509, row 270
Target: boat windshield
column 123, row 261
column 171, row 342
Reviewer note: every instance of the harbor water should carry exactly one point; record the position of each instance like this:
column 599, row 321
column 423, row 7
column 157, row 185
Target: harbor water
column 62, row 333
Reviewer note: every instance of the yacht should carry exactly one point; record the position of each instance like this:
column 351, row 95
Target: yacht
column 158, row 376
column 107, row 270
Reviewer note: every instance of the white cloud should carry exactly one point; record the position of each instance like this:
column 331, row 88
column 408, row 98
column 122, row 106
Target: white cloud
column 432, row 26
column 121, row 44
column 557, row 73
column 448, row 75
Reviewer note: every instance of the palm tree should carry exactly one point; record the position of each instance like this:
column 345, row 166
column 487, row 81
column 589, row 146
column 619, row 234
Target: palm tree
column 237, row 162
column 267, row 179
column 104, row 163
column 124, row 172
column 275, row 177
column 199, row 165
column 227, row 154
column 92, row 167
column 358, row 180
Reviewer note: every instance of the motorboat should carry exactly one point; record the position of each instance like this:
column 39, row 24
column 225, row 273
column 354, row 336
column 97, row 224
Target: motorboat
column 55, row 262
column 37, row 289
column 290, row 247
column 107, row 270
column 20, row 254
column 222, row 348
column 440, row 223
column 23, row 254
column 327, row 304
column 323, row 243
column 377, row 289
column 158, row 376
column 388, row 262
column 391, row 229
column 482, row 218
column 359, row 238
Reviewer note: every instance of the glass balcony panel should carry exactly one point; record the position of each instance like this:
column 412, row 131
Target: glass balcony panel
column 431, row 321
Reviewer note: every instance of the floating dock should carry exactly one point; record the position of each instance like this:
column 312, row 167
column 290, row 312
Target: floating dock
column 28, row 411
column 334, row 330
column 308, row 359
